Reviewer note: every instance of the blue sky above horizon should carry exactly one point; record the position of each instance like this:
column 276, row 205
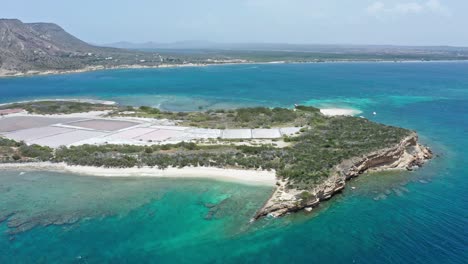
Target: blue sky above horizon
column 397, row 22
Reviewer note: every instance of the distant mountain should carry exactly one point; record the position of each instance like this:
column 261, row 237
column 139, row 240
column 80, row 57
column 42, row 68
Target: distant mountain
column 46, row 46
column 60, row 37
column 28, row 46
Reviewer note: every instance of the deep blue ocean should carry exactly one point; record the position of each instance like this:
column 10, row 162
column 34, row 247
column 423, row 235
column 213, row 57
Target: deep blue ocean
column 398, row 217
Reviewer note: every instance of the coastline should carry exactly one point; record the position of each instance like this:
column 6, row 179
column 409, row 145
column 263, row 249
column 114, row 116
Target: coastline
column 12, row 74
column 9, row 74
column 73, row 100
column 249, row 177
column 328, row 111
column 408, row 154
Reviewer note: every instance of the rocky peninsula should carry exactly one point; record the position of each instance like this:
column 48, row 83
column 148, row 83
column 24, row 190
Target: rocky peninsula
column 311, row 152
column 408, row 154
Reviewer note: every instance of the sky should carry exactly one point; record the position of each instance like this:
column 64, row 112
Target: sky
column 396, row 22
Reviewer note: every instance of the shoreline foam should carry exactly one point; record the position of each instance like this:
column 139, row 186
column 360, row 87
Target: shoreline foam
column 249, row 177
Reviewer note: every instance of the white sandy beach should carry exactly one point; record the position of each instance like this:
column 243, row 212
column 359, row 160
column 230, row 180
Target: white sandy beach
column 251, row 177
column 339, row 112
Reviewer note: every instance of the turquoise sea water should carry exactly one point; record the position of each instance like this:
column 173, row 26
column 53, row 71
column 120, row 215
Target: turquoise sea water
column 404, row 217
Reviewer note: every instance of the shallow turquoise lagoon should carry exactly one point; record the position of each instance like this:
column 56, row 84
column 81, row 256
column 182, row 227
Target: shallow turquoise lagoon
column 404, row 217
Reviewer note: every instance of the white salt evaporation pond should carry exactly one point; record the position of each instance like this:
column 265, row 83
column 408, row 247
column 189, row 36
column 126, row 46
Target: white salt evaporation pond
column 73, row 131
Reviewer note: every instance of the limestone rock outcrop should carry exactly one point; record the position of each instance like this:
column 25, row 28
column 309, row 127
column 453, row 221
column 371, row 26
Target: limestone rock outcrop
column 408, row 154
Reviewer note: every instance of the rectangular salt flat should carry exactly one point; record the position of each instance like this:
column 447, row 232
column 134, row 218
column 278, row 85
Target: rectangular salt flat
column 178, row 128
column 36, row 133
column 67, row 138
column 237, row 133
column 205, row 131
column 9, row 124
column 266, row 133
column 103, row 124
column 132, row 133
column 288, row 131
column 160, row 135
column 194, row 136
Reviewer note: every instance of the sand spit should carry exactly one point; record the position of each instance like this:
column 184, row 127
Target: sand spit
column 339, row 112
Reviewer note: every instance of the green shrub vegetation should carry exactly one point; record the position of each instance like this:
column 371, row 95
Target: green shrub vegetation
column 308, row 160
column 254, row 117
column 326, row 143
column 330, row 142
column 58, row 107
column 11, row 150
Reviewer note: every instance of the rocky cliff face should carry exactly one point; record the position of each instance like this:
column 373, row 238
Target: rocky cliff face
column 408, row 154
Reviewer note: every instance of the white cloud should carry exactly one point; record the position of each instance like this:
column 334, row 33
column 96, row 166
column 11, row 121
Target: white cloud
column 407, row 8
column 380, row 9
column 376, row 8
column 437, row 7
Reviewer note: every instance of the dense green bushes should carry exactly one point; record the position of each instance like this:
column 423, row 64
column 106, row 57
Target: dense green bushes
column 323, row 143
column 149, row 110
column 254, row 117
column 262, row 116
column 4, row 142
column 19, row 151
column 307, row 109
column 308, row 161
column 37, row 152
column 163, row 156
column 58, row 107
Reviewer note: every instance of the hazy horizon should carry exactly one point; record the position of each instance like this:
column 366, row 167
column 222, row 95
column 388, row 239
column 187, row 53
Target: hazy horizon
column 345, row 22
column 273, row 43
